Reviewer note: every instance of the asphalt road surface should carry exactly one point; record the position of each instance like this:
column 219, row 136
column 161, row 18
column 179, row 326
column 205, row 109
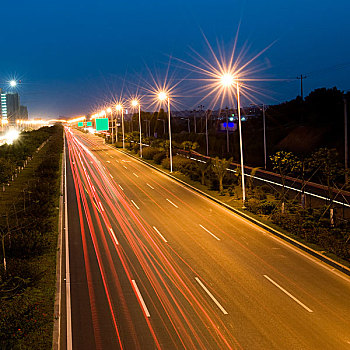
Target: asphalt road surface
column 154, row 265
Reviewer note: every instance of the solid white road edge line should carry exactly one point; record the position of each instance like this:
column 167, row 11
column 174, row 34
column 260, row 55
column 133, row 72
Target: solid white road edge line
column 172, row 203
column 211, row 296
column 68, row 292
column 160, row 234
column 150, row 186
column 209, row 232
column 286, row 292
column 135, row 205
column 140, row 298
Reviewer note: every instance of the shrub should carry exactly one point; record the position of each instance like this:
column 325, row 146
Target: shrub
column 136, row 148
column 186, row 166
column 252, row 205
column 166, row 163
column 267, row 189
column 149, row 152
column 267, row 207
column 259, row 193
column 158, row 157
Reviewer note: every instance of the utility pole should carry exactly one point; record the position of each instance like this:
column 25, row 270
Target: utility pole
column 227, row 134
column 301, row 85
column 264, row 122
column 346, row 137
column 195, row 122
column 200, row 107
column 206, row 131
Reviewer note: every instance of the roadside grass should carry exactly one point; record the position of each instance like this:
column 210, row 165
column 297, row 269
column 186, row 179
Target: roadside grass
column 14, row 191
column 26, row 317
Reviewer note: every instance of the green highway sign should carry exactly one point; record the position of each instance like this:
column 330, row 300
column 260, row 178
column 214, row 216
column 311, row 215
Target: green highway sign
column 80, row 124
column 102, row 124
column 88, row 123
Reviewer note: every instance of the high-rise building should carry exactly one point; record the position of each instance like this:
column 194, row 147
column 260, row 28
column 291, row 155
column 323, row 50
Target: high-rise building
column 10, row 107
column 23, row 112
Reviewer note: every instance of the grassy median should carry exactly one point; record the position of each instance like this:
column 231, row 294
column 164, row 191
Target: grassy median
column 29, row 229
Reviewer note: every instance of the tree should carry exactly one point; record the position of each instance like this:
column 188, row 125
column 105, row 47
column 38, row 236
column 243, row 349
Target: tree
column 203, row 168
column 326, row 165
column 285, row 163
column 324, row 161
column 219, row 167
column 6, row 170
column 189, row 146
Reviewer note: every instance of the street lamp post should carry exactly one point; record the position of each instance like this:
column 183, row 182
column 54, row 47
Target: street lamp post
column 119, row 107
column 109, row 110
column 228, row 80
column 206, row 132
column 264, row 122
column 135, row 103
column 240, row 140
column 163, row 96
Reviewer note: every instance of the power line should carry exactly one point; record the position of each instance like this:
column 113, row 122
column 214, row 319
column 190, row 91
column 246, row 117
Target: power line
column 301, row 85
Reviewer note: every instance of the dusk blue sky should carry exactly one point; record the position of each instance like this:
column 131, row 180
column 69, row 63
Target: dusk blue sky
column 72, row 56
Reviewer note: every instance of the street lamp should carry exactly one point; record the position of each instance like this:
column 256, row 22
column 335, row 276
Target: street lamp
column 227, row 80
column 13, row 83
column 135, row 103
column 109, row 110
column 162, row 97
column 119, row 107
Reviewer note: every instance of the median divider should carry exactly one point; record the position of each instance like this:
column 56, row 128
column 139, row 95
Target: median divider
column 314, row 253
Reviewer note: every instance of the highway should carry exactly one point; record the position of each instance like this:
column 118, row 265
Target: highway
column 155, row 265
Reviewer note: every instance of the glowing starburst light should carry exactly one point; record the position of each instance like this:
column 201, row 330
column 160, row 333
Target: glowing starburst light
column 227, row 80
column 221, row 72
column 162, row 96
column 134, row 103
column 118, row 107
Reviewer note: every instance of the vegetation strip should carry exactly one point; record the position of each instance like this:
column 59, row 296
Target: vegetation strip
column 29, row 226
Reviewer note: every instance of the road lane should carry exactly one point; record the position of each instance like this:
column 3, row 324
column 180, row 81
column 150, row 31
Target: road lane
column 258, row 316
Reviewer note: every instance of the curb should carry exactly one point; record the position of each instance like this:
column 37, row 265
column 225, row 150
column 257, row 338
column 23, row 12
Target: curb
column 279, row 234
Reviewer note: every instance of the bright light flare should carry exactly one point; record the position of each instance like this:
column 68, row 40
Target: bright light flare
column 162, row 96
column 135, row 103
column 227, row 80
column 13, row 83
column 76, row 120
column 109, row 110
column 11, row 136
column 221, row 71
column 118, row 107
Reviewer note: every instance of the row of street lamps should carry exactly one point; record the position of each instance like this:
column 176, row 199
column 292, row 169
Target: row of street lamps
column 162, row 96
column 227, row 81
